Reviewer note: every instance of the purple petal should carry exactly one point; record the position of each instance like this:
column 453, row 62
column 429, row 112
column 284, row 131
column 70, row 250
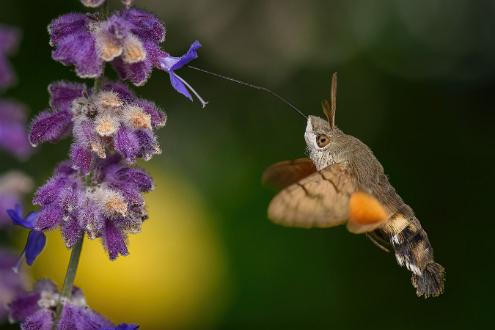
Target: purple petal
column 135, row 176
column 66, row 25
column 188, row 57
column 50, row 191
column 62, row 94
column 158, row 117
column 114, row 241
column 137, row 73
column 121, row 89
column 148, row 143
column 24, row 305
column 127, row 144
column 80, row 317
column 50, row 126
column 90, row 218
column 35, row 244
column 71, row 232
column 75, row 45
column 49, row 217
column 81, row 158
column 18, row 219
column 41, row 320
column 179, row 86
column 144, row 25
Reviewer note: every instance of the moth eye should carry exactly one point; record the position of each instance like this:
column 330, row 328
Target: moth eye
column 322, row 140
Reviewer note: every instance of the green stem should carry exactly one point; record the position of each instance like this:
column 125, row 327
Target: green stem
column 69, row 277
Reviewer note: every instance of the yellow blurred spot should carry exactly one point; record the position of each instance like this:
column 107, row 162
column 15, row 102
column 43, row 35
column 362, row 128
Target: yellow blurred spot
column 175, row 275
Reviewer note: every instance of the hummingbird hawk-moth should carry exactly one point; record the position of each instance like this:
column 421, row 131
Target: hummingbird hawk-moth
column 343, row 182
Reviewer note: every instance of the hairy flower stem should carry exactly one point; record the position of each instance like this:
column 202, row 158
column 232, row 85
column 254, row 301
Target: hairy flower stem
column 69, row 277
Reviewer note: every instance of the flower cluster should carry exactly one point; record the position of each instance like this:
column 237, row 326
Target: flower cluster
column 13, row 137
column 109, row 207
column 112, row 119
column 36, row 310
column 12, row 114
column 129, row 39
column 98, row 192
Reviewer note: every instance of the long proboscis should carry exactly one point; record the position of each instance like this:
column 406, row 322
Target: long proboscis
column 240, row 82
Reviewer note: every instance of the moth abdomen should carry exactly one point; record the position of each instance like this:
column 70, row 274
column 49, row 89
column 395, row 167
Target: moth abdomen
column 413, row 251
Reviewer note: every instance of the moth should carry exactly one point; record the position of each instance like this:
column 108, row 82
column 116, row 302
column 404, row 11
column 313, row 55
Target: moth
column 342, row 182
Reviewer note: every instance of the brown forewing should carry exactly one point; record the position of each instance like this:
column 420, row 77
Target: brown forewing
column 319, row 200
column 283, row 174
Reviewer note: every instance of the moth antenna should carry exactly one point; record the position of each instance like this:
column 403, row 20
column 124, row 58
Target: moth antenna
column 330, row 107
column 240, row 82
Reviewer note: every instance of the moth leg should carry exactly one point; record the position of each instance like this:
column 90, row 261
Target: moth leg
column 378, row 241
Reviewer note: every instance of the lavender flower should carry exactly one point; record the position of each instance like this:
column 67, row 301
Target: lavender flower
column 13, row 135
column 13, row 185
column 36, row 239
column 130, row 40
column 11, row 284
column 36, row 310
column 9, row 39
column 109, row 208
column 112, row 119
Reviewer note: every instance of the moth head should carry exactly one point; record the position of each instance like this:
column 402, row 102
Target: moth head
column 321, row 134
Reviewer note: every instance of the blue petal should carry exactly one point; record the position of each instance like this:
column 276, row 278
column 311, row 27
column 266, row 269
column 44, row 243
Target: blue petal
column 179, row 86
column 35, row 243
column 191, row 55
column 16, row 216
column 31, row 218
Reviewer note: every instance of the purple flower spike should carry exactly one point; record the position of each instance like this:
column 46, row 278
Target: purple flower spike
column 170, row 64
column 75, row 45
column 50, row 127
column 9, row 38
column 36, row 239
column 13, row 135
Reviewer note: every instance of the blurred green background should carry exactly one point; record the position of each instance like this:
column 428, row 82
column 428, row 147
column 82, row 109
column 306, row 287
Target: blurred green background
column 416, row 81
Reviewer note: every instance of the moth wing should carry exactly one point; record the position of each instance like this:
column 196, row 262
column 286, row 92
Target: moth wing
column 327, row 198
column 282, row 174
column 319, row 200
column 366, row 213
